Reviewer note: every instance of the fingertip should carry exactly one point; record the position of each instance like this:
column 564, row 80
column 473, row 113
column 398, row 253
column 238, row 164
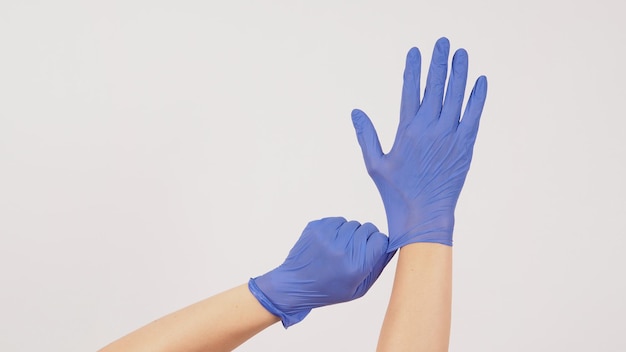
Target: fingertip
column 357, row 118
column 460, row 56
column 334, row 221
column 460, row 65
column 413, row 55
column 479, row 92
column 441, row 52
column 443, row 44
column 482, row 83
column 473, row 110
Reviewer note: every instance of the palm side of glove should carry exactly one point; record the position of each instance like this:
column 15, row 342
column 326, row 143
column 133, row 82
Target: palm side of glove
column 421, row 178
column 333, row 261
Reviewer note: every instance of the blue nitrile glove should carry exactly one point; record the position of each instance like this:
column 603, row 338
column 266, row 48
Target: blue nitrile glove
column 334, row 261
column 421, row 178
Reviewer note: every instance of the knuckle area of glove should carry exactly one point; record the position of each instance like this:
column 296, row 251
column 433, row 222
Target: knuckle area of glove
column 341, row 261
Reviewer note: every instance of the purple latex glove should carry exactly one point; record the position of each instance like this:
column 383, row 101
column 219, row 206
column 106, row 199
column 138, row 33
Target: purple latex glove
column 334, row 261
column 421, row 178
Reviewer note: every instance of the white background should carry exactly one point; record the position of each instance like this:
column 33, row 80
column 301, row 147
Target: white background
column 155, row 153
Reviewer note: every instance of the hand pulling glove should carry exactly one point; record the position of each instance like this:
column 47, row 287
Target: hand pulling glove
column 421, row 178
column 333, row 261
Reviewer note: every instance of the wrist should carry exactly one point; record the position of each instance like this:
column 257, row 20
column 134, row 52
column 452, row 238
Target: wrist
column 271, row 297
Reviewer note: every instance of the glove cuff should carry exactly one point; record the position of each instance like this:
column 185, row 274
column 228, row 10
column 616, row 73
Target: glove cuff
column 286, row 319
column 442, row 236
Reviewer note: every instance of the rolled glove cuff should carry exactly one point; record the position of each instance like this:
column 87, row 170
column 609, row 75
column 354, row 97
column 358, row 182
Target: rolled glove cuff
column 286, row 319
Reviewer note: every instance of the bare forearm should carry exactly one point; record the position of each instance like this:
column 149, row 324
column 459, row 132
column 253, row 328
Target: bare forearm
column 418, row 315
column 218, row 323
column 333, row 261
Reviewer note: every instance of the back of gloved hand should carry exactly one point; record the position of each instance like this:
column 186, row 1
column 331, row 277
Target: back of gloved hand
column 333, row 261
column 421, row 178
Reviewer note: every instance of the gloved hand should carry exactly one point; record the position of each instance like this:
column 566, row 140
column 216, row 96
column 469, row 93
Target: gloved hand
column 421, row 178
column 334, row 261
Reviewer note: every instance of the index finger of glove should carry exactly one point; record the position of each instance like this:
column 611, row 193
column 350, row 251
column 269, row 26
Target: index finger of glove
column 325, row 225
column 371, row 244
column 346, row 232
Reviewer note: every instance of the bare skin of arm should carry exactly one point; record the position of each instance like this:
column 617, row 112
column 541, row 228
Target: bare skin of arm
column 420, row 180
column 219, row 323
column 333, row 261
column 419, row 311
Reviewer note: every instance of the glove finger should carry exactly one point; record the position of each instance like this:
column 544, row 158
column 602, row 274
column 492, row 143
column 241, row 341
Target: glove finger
column 367, row 137
column 330, row 222
column 471, row 117
column 346, row 231
column 410, row 102
column 322, row 226
column 435, row 82
column 376, row 260
column 451, row 111
column 358, row 247
column 368, row 228
column 376, row 249
column 370, row 244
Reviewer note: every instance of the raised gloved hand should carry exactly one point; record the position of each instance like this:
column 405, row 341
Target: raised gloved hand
column 421, row 178
column 334, row 261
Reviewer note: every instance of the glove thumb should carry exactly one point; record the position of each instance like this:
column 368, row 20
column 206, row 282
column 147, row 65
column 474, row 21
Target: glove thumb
column 367, row 137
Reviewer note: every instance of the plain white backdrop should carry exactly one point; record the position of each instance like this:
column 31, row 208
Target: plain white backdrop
column 155, row 153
